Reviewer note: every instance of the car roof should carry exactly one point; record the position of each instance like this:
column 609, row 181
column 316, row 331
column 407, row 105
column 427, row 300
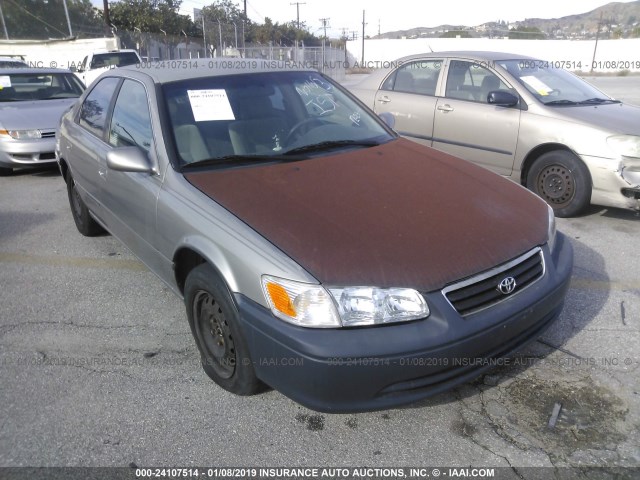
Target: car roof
column 28, row 71
column 474, row 55
column 166, row 71
column 126, row 50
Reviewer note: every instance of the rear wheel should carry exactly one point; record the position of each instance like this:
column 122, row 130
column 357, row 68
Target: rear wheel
column 5, row 172
column 85, row 223
column 562, row 180
column 213, row 317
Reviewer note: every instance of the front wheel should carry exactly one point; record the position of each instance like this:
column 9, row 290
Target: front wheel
column 562, row 180
column 214, row 322
column 85, row 223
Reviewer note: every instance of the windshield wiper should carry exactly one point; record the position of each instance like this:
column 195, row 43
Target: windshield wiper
column 328, row 145
column 561, row 102
column 597, row 100
column 238, row 160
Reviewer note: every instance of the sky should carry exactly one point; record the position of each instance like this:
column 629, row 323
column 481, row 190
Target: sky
column 393, row 15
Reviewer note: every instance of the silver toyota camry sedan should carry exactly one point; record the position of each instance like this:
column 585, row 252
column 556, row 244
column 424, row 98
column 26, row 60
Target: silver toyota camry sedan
column 32, row 100
column 316, row 251
column 520, row 117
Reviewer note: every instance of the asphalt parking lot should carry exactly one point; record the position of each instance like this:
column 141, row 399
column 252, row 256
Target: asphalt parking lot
column 99, row 367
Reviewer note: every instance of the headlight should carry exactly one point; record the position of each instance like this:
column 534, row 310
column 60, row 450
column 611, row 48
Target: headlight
column 314, row 306
column 625, row 145
column 370, row 305
column 21, row 134
column 551, row 233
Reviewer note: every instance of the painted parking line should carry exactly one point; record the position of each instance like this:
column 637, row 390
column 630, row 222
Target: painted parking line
column 81, row 262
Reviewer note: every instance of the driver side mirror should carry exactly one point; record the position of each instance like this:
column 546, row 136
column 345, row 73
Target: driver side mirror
column 501, row 98
column 129, row 159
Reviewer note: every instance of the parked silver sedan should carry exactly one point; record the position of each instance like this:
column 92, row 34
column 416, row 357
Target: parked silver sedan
column 523, row 118
column 316, row 251
column 32, row 100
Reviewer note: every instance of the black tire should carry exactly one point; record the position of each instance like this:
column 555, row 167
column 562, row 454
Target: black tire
column 213, row 318
column 85, row 223
column 5, row 172
column 562, row 180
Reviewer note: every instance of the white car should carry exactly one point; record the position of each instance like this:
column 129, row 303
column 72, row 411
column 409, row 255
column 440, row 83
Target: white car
column 98, row 62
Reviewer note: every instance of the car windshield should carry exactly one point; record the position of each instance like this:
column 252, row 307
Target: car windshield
column 114, row 59
column 274, row 116
column 12, row 64
column 17, row 87
column 553, row 86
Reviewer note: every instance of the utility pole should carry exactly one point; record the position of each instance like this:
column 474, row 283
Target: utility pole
column 4, row 26
column 363, row 25
column 593, row 61
column 204, row 37
column 105, row 13
column 297, row 4
column 66, row 12
column 324, row 21
column 378, row 27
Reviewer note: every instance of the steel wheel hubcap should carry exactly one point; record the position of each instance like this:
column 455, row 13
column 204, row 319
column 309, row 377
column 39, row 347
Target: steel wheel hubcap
column 556, row 185
column 216, row 336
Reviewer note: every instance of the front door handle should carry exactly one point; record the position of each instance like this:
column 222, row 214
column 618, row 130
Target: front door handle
column 445, row 108
column 384, row 99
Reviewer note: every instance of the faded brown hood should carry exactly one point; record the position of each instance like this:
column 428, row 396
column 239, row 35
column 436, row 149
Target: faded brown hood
column 399, row 214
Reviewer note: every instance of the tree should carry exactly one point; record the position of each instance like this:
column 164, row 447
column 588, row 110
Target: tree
column 526, row 33
column 151, row 16
column 43, row 19
column 456, row 34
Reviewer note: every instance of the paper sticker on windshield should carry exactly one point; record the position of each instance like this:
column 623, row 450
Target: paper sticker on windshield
column 210, row 105
column 537, row 84
column 5, row 81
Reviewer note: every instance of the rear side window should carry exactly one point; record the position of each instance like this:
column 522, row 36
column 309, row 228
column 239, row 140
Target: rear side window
column 93, row 113
column 114, row 59
column 131, row 122
column 419, row 77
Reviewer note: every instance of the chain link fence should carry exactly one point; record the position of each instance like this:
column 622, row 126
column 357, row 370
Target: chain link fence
column 156, row 47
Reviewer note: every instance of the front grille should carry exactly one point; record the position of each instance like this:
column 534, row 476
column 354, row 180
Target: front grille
column 49, row 134
column 482, row 291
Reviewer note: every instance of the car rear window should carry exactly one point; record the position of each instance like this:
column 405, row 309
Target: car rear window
column 35, row 86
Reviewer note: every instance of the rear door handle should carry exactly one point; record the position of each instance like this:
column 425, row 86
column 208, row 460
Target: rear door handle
column 445, row 108
column 384, row 99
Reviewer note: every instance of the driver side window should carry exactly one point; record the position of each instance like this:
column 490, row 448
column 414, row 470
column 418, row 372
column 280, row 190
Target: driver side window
column 471, row 81
column 131, row 121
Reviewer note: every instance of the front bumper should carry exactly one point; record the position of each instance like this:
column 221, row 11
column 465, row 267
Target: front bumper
column 24, row 153
column 616, row 182
column 360, row 369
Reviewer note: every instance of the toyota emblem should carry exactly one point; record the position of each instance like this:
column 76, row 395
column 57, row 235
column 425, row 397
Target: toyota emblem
column 507, row 285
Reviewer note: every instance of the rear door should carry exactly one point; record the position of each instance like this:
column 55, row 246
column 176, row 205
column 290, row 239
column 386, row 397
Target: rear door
column 409, row 94
column 465, row 125
column 86, row 147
